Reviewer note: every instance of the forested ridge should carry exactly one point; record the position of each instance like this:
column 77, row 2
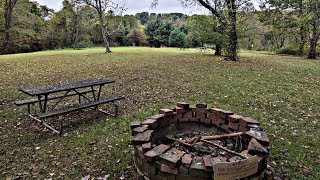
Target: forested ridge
column 283, row 27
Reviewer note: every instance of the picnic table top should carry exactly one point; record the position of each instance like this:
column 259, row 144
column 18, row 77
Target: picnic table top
column 65, row 86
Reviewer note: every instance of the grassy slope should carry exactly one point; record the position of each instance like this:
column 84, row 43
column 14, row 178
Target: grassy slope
column 281, row 92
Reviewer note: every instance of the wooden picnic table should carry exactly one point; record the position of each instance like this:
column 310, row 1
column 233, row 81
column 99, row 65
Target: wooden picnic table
column 82, row 89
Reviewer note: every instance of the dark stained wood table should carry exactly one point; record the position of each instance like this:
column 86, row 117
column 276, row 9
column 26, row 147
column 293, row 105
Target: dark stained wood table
column 80, row 88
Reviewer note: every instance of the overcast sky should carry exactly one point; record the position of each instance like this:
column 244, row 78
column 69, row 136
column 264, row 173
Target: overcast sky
column 135, row 6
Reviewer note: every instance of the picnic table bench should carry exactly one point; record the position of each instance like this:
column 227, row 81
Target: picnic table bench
column 82, row 89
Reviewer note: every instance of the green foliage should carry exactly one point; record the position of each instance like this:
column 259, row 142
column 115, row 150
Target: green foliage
column 83, row 42
column 143, row 17
column 289, row 50
column 2, row 22
column 177, row 38
column 206, row 29
column 27, row 24
column 158, row 32
column 137, row 37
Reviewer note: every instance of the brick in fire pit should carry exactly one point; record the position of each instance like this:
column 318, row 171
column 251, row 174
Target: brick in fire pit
column 213, row 115
column 156, row 152
column 142, row 138
column 188, row 114
column 207, row 162
column 222, row 113
column 180, row 110
column 137, row 130
column 234, row 126
column 186, row 160
column 255, row 148
column 168, row 169
column 201, row 105
column 183, row 105
column 166, row 112
column 177, row 115
column 235, row 159
column 261, row 136
column 156, row 117
column 185, row 164
column 151, row 122
column 246, row 154
column 171, row 157
column 247, row 120
column 254, row 127
column 197, row 168
column 135, row 124
column 206, row 121
column 218, row 160
column 234, row 118
column 146, row 147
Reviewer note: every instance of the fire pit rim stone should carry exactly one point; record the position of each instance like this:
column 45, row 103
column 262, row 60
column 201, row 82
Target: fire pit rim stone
column 146, row 158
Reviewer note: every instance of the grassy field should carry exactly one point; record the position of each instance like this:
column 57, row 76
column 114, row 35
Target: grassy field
column 280, row 92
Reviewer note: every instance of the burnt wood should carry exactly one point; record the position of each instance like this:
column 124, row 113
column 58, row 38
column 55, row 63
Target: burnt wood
column 65, row 86
column 36, row 100
column 79, row 107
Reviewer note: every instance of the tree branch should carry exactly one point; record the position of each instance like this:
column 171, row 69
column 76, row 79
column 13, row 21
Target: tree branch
column 213, row 11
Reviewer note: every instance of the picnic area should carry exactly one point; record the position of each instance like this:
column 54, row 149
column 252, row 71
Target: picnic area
column 159, row 89
column 281, row 92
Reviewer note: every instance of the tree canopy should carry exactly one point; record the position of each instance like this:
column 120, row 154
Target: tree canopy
column 288, row 27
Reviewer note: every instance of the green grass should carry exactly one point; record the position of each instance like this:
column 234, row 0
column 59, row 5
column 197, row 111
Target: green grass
column 281, row 92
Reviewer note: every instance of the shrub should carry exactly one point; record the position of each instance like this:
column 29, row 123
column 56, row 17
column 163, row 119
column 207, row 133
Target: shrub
column 84, row 42
column 288, row 50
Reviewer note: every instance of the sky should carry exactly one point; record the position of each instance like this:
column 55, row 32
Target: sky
column 135, row 6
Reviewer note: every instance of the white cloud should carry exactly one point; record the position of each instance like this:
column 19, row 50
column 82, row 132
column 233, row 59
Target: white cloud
column 135, row 6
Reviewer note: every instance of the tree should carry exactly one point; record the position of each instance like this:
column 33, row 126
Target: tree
column 143, row 17
column 8, row 11
column 208, row 30
column 137, row 37
column 177, row 39
column 101, row 6
column 225, row 11
column 158, row 32
column 315, row 6
column 283, row 17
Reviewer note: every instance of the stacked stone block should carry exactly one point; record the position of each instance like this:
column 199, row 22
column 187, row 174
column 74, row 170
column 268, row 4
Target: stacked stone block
column 159, row 161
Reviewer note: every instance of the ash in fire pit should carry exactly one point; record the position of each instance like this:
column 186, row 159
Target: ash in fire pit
column 186, row 137
column 199, row 143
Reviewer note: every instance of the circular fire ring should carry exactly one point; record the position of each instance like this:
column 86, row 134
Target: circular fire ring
column 199, row 143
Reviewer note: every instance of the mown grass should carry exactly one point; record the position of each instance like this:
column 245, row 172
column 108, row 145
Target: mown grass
column 281, row 92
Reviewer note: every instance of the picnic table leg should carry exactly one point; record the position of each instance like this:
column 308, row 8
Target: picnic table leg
column 40, row 102
column 61, row 128
column 45, row 103
column 43, row 107
column 43, row 123
column 99, row 92
column 93, row 94
column 115, row 114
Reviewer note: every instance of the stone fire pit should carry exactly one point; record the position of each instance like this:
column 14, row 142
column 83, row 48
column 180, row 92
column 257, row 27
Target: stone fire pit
column 199, row 143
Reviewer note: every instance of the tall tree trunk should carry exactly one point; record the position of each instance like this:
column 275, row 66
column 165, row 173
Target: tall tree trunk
column 233, row 37
column 8, row 8
column 302, row 40
column 302, row 29
column 218, row 50
column 315, row 33
column 105, row 40
column 75, row 32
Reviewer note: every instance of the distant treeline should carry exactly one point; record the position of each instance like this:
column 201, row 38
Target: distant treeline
column 36, row 27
